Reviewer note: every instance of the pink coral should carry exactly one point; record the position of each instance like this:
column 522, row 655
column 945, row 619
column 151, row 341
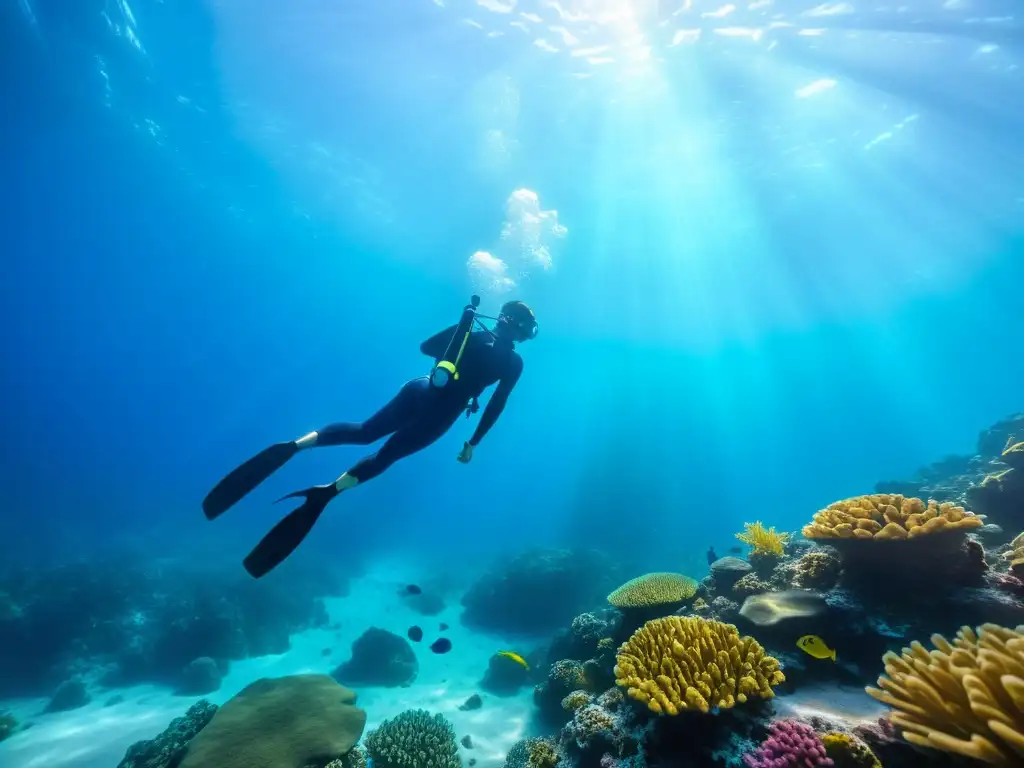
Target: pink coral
column 790, row 744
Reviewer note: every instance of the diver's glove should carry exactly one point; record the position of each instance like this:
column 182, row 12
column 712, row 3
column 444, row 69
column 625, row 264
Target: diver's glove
column 466, row 454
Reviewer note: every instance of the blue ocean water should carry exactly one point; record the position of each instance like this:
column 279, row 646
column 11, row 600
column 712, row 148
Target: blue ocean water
column 775, row 249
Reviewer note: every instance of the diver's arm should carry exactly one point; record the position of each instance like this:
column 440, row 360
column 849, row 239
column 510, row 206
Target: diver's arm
column 437, row 344
column 497, row 402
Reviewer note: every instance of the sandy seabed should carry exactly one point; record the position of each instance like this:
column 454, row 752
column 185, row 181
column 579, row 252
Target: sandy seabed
column 97, row 736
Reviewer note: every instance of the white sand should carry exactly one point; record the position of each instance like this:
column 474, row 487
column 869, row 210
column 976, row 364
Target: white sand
column 97, row 737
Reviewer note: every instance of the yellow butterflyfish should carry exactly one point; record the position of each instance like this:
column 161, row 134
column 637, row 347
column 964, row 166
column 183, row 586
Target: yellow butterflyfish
column 515, row 657
column 814, row 646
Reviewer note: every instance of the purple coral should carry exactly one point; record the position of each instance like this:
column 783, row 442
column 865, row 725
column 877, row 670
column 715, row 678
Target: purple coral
column 790, row 744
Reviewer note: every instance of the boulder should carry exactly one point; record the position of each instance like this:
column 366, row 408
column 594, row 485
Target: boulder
column 380, row 658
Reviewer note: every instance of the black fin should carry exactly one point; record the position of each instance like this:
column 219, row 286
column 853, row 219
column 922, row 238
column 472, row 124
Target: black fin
column 245, row 478
column 286, row 536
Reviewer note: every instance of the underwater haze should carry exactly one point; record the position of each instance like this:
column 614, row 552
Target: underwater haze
column 775, row 250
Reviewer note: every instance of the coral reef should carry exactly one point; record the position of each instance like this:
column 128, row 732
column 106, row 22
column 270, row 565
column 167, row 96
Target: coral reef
column 380, row 658
column 143, row 619
column 564, row 677
column 538, row 591
column 167, row 749
column 763, row 541
column 414, row 739
column 965, row 697
column 1015, row 556
column 200, row 677
column 653, row 589
column 789, row 743
column 848, row 751
column 817, row 569
column 504, row 676
column 284, row 722
column 674, row 664
column 533, row 753
column 726, row 571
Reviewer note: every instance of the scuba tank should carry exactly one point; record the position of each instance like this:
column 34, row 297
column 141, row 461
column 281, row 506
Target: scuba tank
column 447, row 368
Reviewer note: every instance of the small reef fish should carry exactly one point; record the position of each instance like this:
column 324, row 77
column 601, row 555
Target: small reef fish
column 441, row 645
column 814, row 646
column 412, row 589
column 515, row 657
column 772, row 607
column 442, row 627
column 712, row 557
column 415, row 634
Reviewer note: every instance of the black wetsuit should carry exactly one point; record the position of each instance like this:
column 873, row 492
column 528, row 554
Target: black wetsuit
column 420, row 413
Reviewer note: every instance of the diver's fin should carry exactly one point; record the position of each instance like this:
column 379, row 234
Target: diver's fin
column 289, row 533
column 240, row 481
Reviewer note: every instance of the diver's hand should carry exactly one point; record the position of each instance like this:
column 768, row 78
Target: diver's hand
column 466, row 454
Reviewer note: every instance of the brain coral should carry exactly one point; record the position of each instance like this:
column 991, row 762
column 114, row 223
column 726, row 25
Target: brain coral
column 284, row 722
column 653, row 589
column 885, row 516
column 965, row 697
column 674, row 664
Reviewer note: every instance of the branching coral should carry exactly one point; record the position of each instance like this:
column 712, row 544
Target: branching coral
column 674, row 664
column 883, row 516
column 414, row 739
column 1013, row 453
column 763, row 541
column 354, row 759
column 653, row 589
column 789, row 743
column 847, row 751
column 965, row 697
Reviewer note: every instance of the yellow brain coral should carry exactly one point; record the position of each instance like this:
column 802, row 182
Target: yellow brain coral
column 884, row 516
column 965, row 697
column 764, row 541
column 675, row 664
column 653, row 589
column 848, row 752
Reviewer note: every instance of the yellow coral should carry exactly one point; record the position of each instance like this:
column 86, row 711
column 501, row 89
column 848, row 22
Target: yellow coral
column 605, row 644
column 884, row 516
column 848, row 752
column 764, row 541
column 674, row 664
column 541, row 754
column 575, row 700
column 1013, row 454
column 653, row 589
column 1016, row 555
column 965, row 697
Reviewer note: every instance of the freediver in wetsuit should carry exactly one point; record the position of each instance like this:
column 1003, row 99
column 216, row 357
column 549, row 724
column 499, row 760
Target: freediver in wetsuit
column 417, row 416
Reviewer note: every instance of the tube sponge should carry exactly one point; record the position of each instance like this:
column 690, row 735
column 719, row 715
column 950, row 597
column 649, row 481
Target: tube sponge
column 414, row 739
column 965, row 697
column 884, row 516
column 789, row 743
column 674, row 664
column 653, row 589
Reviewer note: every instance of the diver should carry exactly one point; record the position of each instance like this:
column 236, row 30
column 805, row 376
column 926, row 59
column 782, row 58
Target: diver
column 466, row 363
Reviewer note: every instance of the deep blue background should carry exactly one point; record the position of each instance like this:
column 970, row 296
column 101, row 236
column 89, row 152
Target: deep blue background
column 166, row 312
